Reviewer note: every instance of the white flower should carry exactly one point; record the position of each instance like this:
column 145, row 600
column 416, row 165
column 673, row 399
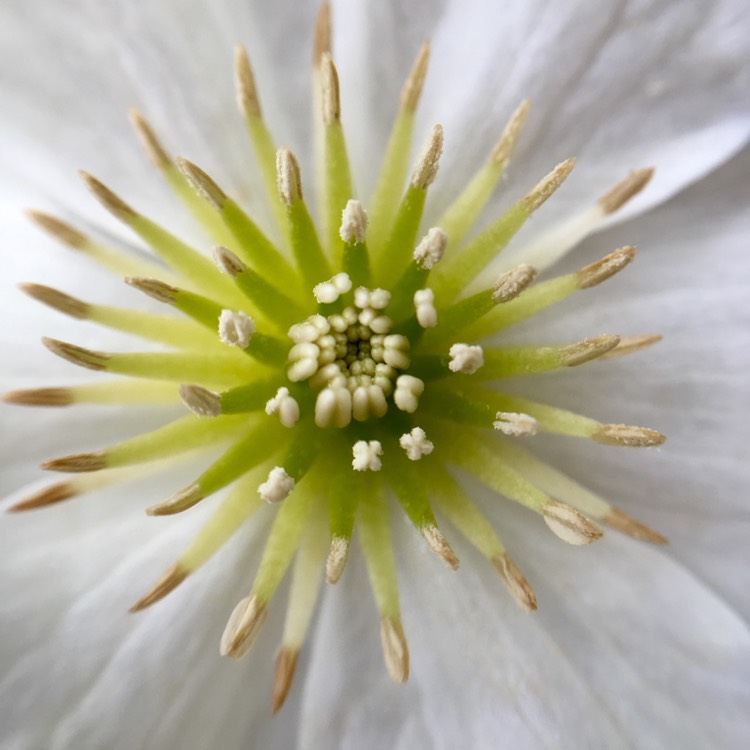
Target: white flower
column 632, row 645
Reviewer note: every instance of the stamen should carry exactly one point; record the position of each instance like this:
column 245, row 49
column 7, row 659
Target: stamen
column 431, row 248
column 322, row 43
column 424, row 305
column 330, row 88
column 40, row 397
column 183, row 500
column 236, row 328
column 621, row 193
column 353, row 223
column 627, row 435
column 243, row 628
column 416, row 444
column 395, row 649
column 628, row 525
column 338, row 556
column 407, row 393
column 171, row 579
column 202, row 183
column 518, row 587
column 509, row 139
column 277, row 487
column 200, row 400
column 570, row 525
column 439, row 544
column 329, row 291
column 151, row 145
column 87, row 358
column 632, row 344
column 587, row 350
column 285, row 406
column 289, row 180
column 286, row 665
column 113, row 203
column 606, row 268
column 513, row 282
column 429, row 160
column 515, row 424
column 465, row 358
column 247, row 95
column 548, row 185
column 412, row 90
column 57, row 300
column 367, row 455
column 56, row 493
column 67, row 234
column 78, row 463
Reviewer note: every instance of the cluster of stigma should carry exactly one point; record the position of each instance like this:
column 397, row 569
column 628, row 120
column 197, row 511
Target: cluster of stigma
column 342, row 361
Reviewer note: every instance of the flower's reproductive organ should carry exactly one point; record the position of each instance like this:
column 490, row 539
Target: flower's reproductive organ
column 340, row 365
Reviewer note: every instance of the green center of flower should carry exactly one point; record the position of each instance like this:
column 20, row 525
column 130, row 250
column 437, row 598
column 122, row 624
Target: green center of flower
column 381, row 326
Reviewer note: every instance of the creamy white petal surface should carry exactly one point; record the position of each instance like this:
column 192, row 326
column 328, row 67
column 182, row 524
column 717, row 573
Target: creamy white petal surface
column 628, row 647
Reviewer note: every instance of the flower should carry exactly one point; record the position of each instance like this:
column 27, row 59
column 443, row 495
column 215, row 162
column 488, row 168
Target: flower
column 510, row 662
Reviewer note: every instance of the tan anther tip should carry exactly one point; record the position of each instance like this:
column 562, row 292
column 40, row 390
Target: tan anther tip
column 621, row 193
column 48, row 496
column 628, row 525
column 156, row 289
column 412, row 90
column 78, row 463
column 628, row 436
column 331, row 96
column 322, row 42
column 227, row 262
column 200, row 400
column 56, row 299
column 439, row 544
column 518, row 587
column 429, row 160
column 606, row 267
column 171, row 579
column 286, row 665
column 513, row 282
column 338, row 555
column 59, row 229
column 243, row 627
column 151, row 145
column 587, row 350
column 545, row 188
column 570, row 525
column 202, row 183
column 509, row 139
column 395, row 649
column 39, row 397
column 353, row 223
column 76, row 354
column 247, row 94
column 113, row 203
column 632, row 344
column 182, row 500
column 288, row 177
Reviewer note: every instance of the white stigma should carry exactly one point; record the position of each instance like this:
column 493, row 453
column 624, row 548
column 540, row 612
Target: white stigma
column 236, row 328
column 431, row 248
column 424, row 305
column 515, row 424
column 367, row 455
column 285, row 406
column 277, row 487
column 407, row 393
column 416, row 444
column 465, row 358
column 329, row 291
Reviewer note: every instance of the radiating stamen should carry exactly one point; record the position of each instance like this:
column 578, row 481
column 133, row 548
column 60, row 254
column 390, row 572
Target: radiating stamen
column 513, row 282
column 570, row 525
column 515, row 424
column 395, row 649
column 621, row 193
column 632, row 344
column 606, row 268
column 200, row 400
column 243, row 628
column 627, row 435
column 171, row 579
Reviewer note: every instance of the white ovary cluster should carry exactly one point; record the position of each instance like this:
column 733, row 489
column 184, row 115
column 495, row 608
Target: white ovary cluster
column 353, row 360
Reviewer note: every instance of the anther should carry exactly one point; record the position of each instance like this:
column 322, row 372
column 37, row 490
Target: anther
column 424, row 306
column 151, row 145
column 366, row 455
column 40, row 397
column 628, row 525
column 632, row 344
column 288, row 178
column 509, row 138
column 277, row 487
column 236, row 328
column 395, row 649
column 322, row 42
column 59, row 229
column 227, row 262
column 338, row 554
column 286, row 665
column 621, row 193
column 285, row 406
column 587, row 350
column 353, row 223
column 58, row 300
column 628, row 435
column 465, row 358
column 202, row 183
column 431, row 248
column 87, row 358
column 56, row 493
column 439, row 544
column 171, row 579
column 200, row 400
column 329, row 291
column 412, row 90
column 331, row 100
column 515, row 424
column 429, row 160
column 78, row 463
column 548, row 185
column 407, row 393
column 570, row 525
column 182, row 500
column 517, row 585
column 243, row 627
column 247, row 95
column 113, row 203
column 513, row 282
column 155, row 289
column 603, row 269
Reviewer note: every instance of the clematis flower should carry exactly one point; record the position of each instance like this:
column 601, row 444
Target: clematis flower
column 450, row 362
